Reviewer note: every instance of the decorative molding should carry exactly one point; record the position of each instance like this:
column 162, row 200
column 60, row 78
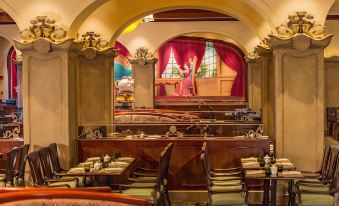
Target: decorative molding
column 91, row 45
column 15, row 133
column 300, row 42
column 252, row 57
column 300, row 22
column 142, row 56
column 43, row 27
column 44, row 45
column 333, row 59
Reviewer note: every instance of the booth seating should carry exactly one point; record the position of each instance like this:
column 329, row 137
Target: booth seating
column 61, row 197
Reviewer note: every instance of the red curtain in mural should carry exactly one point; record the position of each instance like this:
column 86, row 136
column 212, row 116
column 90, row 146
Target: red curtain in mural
column 185, row 48
column 234, row 59
column 164, row 55
column 11, row 71
column 122, row 49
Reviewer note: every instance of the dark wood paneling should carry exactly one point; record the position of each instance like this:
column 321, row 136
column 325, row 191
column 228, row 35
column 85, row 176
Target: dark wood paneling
column 186, row 170
column 5, row 146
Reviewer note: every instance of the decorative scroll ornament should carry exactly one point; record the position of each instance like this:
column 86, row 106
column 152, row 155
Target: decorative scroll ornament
column 301, row 23
column 12, row 134
column 93, row 40
column 18, row 58
column 142, row 55
column 43, row 27
column 173, row 132
column 251, row 57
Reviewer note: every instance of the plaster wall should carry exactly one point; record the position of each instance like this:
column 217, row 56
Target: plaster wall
column 152, row 35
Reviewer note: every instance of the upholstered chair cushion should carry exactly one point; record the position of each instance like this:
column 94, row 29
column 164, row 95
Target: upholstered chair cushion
column 225, row 188
column 143, row 184
column 226, row 182
column 228, row 199
column 64, row 202
column 72, row 184
column 305, row 187
column 317, row 199
column 225, row 178
column 140, row 193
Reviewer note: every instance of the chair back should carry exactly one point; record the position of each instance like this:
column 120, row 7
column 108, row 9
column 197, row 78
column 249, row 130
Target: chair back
column 54, row 157
column 168, row 155
column 11, row 162
column 207, row 166
column 35, row 168
column 326, row 160
column 45, row 159
column 23, row 151
column 335, row 175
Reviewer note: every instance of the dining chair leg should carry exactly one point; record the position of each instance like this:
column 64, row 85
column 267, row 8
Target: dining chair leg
column 167, row 197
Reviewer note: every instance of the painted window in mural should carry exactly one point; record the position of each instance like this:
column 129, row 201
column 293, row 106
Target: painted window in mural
column 172, row 69
column 208, row 67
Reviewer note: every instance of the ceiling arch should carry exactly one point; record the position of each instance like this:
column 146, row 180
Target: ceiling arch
column 110, row 18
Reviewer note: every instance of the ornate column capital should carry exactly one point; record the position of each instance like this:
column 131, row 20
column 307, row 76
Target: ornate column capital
column 91, row 45
column 142, row 56
column 300, row 33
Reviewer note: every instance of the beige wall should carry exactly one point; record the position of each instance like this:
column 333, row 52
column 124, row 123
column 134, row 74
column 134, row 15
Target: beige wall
column 152, row 35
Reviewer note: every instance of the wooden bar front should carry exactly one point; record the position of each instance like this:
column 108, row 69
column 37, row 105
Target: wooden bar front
column 186, row 169
column 5, row 146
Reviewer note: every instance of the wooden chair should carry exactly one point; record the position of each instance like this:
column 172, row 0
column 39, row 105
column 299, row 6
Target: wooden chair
column 55, row 159
column 325, row 167
column 45, row 159
column 37, row 176
column 53, row 197
column 20, row 172
column 154, row 193
column 311, row 193
column 229, row 192
column 221, row 174
column 8, row 174
column 147, row 177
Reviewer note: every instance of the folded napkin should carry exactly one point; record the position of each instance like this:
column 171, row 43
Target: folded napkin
column 76, row 170
column 112, row 169
column 255, row 172
column 282, row 160
column 125, row 159
column 250, row 163
column 249, row 159
column 93, row 158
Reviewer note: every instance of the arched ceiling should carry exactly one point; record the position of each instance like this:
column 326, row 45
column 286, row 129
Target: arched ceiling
column 110, row 17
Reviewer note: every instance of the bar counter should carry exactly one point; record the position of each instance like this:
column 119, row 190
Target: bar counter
column 186, row 170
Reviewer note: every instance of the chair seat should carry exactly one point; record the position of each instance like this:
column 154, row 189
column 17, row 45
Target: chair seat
column 72, row 184
column 317, row 199
column 143, row 184
column 223, row 188
column 228, row 199
column 220, row 183
column 140, row 193
column 225, row 178
column 321, row 189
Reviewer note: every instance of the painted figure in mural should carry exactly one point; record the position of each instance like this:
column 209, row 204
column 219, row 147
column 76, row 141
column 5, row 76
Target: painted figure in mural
column 187, row 83
column 122, row 68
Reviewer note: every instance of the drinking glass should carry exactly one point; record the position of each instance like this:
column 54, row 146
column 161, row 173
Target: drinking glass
column 87, row 167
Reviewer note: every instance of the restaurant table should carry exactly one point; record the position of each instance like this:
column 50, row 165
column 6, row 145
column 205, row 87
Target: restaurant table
column 122, row 166
column 255, row 172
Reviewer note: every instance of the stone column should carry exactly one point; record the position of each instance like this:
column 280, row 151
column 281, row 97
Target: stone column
column 254, row 83
column 143, row 72
column 48, row 91
column 332, row 83
column 94, row 72
column 299, row 86
column 267, row 95
column 18, row 64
